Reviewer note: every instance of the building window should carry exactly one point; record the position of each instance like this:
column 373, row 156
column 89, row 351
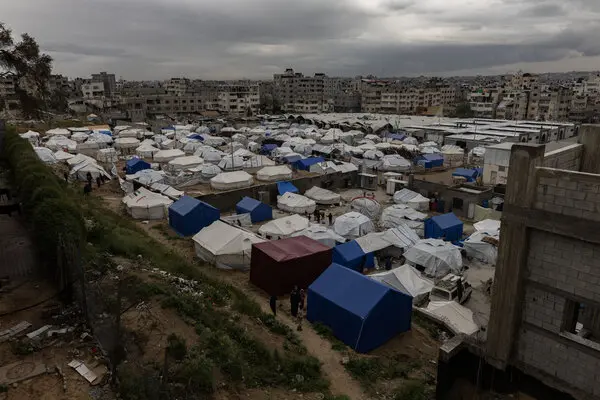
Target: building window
column 501, row 168
column 581, row 323
column 457, row 203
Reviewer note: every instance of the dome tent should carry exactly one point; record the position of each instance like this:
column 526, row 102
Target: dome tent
column 208, row 171
column 437, row 257
column 274, row 173
column 144, row 204
column 284, row 227
column 352, row 225
column 296, row 203
column 367, row 206
column 231, row 180
column 323, row 196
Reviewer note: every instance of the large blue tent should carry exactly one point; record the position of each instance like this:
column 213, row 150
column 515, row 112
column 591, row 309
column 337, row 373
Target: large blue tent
column 136, row 164
column 445, row 226
column 187, row 216
column 284, row 187
column 305, row 163
column 267, row 148
column 360, row 311
column 470, row 174
column 430, row 160
column 352, row 256
column 258, row 211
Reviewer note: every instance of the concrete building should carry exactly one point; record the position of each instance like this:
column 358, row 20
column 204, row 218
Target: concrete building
column 93, row 89
column 242, row 99
column 298, row 93
column 109, row 82
column 177, row 86
column 483, row 102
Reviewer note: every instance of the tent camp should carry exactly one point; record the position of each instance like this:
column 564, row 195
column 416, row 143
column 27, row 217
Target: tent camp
column 284, row 187
column 45, row 155
column 367, row 206
column 437, row 257
column 323, row 196
column 352, row 256
column 412, row 199
column 430, row 160
column 279, row 265
column 408, row 280
column 361, row 312
column 483, row 246
column 398, row 214
column 283, row 227
column 470, row 174
column 296, row 203
column 446, row 226
column 321, row 234
column 134, row 165
column 225, row 246
column 185, row 162
column 305, row 163
column 144, row 204
column 231, row 180
column 352, row 225
column 258, row 211
column 274, row 173
column 164, row 156
column 188, row 215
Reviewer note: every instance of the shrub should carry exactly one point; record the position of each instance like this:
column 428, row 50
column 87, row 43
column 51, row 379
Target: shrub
column 411, row 390
column 176, row 347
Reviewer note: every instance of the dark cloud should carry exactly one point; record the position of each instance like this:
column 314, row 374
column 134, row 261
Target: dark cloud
column 544, row 10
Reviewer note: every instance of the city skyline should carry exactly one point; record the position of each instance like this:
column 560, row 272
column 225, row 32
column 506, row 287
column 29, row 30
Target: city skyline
column 156, row 39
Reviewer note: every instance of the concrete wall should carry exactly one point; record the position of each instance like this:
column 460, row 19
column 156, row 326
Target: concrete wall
column 566, row 158
column 448, row 193
column 226, row 201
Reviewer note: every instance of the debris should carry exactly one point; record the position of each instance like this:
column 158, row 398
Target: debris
column 36, row 334
column 345, row 360
column 64, row 379
column 83, row 370
column 20, row 371
column 85, row 335
column 15, row 330
column 62, row 331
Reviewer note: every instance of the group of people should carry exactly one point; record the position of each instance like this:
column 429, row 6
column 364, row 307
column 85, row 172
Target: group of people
column 297, row 302
column 319, row 216
column 87, row 188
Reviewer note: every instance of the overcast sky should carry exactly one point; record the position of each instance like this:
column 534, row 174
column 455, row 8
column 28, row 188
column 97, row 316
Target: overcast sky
column 229, row 39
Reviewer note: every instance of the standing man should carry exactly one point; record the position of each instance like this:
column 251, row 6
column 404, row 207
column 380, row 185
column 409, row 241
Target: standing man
column 273, row 304
column 294, row 301
column 330, row 217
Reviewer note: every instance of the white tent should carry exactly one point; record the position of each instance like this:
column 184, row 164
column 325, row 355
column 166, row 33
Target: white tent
column 185, row 162
column 231, row 163
column 164, row 156
column 208, row 171
column 63, row 155
column 296, row 203
column 258, row 161
column 412, row 199
column 79, row 137
column 321, row 234
column 132, row 133
column 126, row 143
column 80, row 159
column 191, row 147
column 323, row 196
column 395, row 163
column 144, row 204
column 458, row 318
column 325, row 167
column 480, row 249
column 400, row 238
column 372, row 154
column 146, row 151
column 353, row 225
column 225, row 246
column 167, row 190
column 81, row 170
column 488, row 225
column 99, row 138
column 243, row 153
column 59, row 142
column 437, row 257
column 366, row 206
column 231, row 180
column 58, row 132
column 274, row 173
column 167, row 144
column 399, row 214
column 284, row 227
column 108, row 155
column 32, row 136
column 46, row 155
column 408, row 280
column 147, row 177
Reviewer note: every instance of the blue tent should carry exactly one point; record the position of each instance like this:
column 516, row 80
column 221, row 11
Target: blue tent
column 430, row 160
column 360, row 311
column 284, row 187
column 267, row 148
column 196, row 136
column 258, row 211
column 469, row 174
column 136, row 164
column 396, row 136
column 105, row 132
column 187, row 216
column 446, row 226
column 305, row 163
column 352, row 256
column 292, row 158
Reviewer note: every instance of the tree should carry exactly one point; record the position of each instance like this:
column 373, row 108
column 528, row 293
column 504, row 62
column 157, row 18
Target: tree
column 31, row 68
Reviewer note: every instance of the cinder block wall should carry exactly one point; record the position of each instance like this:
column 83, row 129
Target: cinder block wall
column 566, row 158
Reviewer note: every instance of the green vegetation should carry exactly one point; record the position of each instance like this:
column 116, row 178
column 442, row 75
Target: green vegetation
column 368, row 370
column 412, row 390
column 326, row 333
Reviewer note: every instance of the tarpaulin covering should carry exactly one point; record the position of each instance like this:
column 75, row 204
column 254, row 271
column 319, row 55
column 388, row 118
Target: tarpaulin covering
column 188, row 215
column 407, row 280
column 352, row 256
column 258, row 211
column 305, row 163
column 296, row 203
column 284, row 187
column 437, row 257
column 283, row 227
column 135, row 164
column 469, row 174
column 361, row 312
column 352, row 225
column 278, row 265
column 446, row 226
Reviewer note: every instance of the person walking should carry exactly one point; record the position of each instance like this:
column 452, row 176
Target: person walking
column 66, row 176
column 273, row 304
column 98, row 181
column 330, row 217
column 388, row 263
column 294, row 301
column 89, row 178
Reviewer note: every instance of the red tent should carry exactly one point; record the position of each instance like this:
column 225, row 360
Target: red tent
column 277, row 265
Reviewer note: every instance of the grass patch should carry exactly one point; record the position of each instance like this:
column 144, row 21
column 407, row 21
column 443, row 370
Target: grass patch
column 412, row 390
column 325, row 332
column 431, row 327
column 368, row 370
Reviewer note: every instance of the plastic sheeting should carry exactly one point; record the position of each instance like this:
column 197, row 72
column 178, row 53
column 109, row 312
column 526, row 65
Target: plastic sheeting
column 407, row 280
column 225, row 246
column 323, row 196
column 481, row 250
column 46, row 155
column 284, row 227
column 164, row 156
column 231, row 180
column 395, row 163
column 458, row 318
column 438, row 257
column 231, row 163
column 398, row 214
column 366, row 206
column 401, row 237
column 412, row 199
column 321, row 234
column 296, row 203
column 274, row 173
column 147, row 177
column 487, row 225
column 144, row 204
column 353, row 225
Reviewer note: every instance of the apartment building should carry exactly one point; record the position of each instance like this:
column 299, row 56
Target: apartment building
column 142, row 107
column 177, row 86
column 372, row 91
column 242, row 99
column 93, row 89
column 333, row 86
column 109, row 82
column 299, row 93
column 483, row 102
column 415, row 100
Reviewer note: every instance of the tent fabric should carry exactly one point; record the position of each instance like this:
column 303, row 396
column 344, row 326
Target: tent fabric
column 407, row 280
column 258, row 211
column 225, row 246
column 366, row 206
column 480, row 249
column 188, row 215
column 208, row 171
column 397, row 214
column 352, row 225
column 361, row 312
column 108, row 155
column 63, row 155
column 401, row 237
column 135, row 164
column 284, row 227
column 144, row 204
column 147, row 177
column 279, row 265
column 396, row 163
column 352, row 256
column 323, row 196
column 164, row 156
column 296, row 203
column 487, row 225
column 284, row 187
column 305, row 163
column 231, row 180
column 446, row 226
column 412, row 199
column 167, row 190
column 437, row 257
column 80, row 171
column 458, row 318
column 185, row 162
column 274, row 173
column 469, row 174
column 321, row 234
column 45, row 155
